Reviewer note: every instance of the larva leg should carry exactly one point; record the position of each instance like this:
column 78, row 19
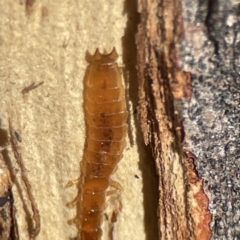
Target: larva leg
column 72, row 204
column 115, row 201
column 72, row 182
column 75, row 181
column 115, row 169
column 111, row 192
column 115, row 185
column 73, row 221
column 117, row 188
column 113, row 220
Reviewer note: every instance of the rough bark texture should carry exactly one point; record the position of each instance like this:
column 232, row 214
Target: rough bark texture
column 158, row 33
column 211, row 118
column 199, row 41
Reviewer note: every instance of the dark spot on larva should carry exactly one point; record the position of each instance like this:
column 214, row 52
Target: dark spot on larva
column 135, row 111
column 106, row 144
column 136, row 176
column 109, row 136
column 97, row 169
column 109, row 143
column 105, row 135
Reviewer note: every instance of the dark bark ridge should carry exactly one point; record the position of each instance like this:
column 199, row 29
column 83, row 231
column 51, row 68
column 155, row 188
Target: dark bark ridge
column 211, row 118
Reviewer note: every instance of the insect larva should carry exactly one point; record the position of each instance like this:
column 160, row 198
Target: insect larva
column 106, row 128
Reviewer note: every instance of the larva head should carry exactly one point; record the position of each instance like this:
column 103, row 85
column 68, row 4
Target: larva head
column 103, row 71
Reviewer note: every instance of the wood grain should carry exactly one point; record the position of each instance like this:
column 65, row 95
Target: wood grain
column 48, row 44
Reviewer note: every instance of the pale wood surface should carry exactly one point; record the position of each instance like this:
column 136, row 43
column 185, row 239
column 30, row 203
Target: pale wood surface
column 48, row 42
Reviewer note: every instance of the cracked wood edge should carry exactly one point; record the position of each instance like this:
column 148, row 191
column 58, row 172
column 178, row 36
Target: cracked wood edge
column 183, row 205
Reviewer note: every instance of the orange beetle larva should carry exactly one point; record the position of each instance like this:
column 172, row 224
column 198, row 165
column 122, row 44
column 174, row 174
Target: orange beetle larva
column 106, row 128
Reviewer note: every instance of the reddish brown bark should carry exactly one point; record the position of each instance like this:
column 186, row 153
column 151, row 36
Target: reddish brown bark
column 183, row 212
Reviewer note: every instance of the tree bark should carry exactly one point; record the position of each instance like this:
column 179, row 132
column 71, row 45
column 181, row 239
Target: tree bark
column 189, row 110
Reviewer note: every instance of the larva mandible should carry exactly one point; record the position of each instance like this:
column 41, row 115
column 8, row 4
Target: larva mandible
column 106, row 128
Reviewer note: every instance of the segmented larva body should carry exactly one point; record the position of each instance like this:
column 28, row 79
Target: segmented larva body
column 106, row 128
